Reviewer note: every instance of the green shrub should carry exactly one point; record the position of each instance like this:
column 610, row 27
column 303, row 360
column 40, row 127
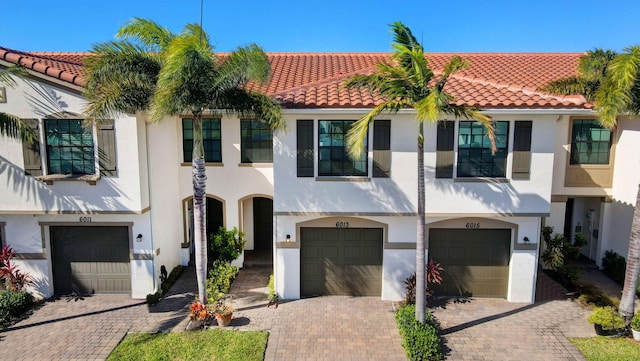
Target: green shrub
column 13, row 304
column 607, row 317
column 560, row 253
column 154, row 298
column 635, row 321
column 273, row 296
column 165, row 285
column 614, row 266
column 220, row 278
column 420, row 341
column 593, row 296
column 171, row 279
column 227, row 245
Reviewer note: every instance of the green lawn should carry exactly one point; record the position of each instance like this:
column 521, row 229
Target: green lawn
column 196, row 345
column 608, row 348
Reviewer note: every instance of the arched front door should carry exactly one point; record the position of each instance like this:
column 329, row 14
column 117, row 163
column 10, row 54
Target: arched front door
column 215, row 220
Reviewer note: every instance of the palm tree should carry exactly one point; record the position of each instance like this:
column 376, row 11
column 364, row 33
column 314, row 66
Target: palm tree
column 614, row 87
column 620, row 94
column 11, row 125
column 149, row 69
column 409, row 82
column 591, row 72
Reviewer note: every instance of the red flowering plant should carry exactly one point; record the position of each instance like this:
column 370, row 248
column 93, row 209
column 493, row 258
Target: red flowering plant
column 198, row 311
column 10, row 275
column 434, row 275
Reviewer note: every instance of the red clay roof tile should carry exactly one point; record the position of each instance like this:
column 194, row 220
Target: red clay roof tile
column 310, row 80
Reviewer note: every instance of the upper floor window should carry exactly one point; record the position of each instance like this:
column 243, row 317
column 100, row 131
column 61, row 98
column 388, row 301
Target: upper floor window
column 474, row 150
column 590, row 142
column 333, row 159
column 70, row 148
column 256, row 143
column 211, row 139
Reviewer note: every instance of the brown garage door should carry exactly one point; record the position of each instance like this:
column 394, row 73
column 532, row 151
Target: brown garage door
column 341, row 261
column 475, row 261
column 90, row 259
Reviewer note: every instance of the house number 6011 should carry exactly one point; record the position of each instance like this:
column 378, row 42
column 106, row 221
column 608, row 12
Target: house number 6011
column 342, row 224
column 85, row 219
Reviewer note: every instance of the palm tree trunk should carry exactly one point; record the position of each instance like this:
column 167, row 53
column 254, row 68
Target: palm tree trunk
column 633, row 265
column 199, row 208
column 420, row 262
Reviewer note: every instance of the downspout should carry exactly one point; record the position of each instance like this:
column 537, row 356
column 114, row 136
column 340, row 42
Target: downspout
column 153, row 252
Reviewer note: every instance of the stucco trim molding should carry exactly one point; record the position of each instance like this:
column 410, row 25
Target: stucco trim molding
column 291, row 245
column 476, row 222
column 559, row 199
column 26, row 256
column 343, row 214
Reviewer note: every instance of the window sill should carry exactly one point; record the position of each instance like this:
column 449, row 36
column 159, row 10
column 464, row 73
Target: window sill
column 481, row 180
column 206, row 164
column 92, row 179
column 343, row 179
column 256, row 165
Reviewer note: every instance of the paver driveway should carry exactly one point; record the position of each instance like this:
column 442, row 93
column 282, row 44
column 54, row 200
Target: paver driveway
column 323, row 328
column 493, row 329
column 89, row 328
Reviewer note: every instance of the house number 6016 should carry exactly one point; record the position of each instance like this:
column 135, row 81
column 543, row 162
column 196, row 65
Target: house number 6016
column 342, row 224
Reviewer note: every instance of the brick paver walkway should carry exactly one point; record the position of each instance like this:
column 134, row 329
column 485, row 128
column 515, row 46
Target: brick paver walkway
column 323, row 328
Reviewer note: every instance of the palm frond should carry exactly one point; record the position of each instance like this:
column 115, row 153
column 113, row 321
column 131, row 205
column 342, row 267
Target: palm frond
column 593, row 66
column 572, row 85
column 14, row 127
column 147, row 32
column 253, row 104
column 121, row 77
column 6, row 75
column 359, row 129
column 615, row 94
column 185, row 82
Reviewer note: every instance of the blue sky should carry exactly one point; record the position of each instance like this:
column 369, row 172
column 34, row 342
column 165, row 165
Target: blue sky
column 335, row 25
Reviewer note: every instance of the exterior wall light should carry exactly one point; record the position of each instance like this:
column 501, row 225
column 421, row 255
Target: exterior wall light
column 288, row 238
column 139, row 238
column 526, row 240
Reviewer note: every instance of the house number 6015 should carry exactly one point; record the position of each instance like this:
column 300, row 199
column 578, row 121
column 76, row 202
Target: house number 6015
column 473, row 225
column 342, row 224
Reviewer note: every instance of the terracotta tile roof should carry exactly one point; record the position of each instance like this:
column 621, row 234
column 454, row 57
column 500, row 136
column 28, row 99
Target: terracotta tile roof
column 312, row 80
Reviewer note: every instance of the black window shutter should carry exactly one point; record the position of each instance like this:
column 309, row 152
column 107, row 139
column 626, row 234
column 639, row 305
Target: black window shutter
column 31, row 151
column 444, row 149
column 381, row 148
column 304, row 129
column 107, row 148
column 522, row 150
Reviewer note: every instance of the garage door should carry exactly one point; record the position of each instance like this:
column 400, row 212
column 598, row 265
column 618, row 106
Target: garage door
column 341, row 261
column 476, row 262
column 90, row 259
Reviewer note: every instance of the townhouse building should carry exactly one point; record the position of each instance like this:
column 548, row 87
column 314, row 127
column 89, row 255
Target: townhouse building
column 102, row 207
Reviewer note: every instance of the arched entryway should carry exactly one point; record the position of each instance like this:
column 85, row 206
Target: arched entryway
column 257, row 224
column 215, row 220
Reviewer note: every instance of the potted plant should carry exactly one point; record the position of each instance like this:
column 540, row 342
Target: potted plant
column 223, row 314
column 635, row 326
column 198, row 316
column 606, row 321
